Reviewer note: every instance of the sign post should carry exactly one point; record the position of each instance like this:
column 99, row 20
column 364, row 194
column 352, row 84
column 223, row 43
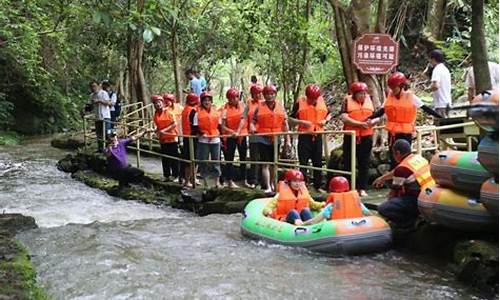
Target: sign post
column 375, row 53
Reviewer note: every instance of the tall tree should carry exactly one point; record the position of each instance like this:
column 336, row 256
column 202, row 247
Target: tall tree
column 479, row 49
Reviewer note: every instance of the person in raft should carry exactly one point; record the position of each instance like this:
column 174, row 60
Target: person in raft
column 411, row 175
column 116, row 155
column 293, row 203
column 342, row 203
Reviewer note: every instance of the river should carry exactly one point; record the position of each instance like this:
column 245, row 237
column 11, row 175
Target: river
column 94, row 246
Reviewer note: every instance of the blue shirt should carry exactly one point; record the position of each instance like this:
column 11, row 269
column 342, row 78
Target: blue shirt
column 196, row 86
column 203, row 83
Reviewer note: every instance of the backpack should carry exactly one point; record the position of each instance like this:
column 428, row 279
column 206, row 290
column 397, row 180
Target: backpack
column 118, row 104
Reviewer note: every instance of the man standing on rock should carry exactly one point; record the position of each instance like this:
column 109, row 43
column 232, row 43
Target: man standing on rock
column 100, row 99
column 440, row 83
column 118, row 166
column 411, row 175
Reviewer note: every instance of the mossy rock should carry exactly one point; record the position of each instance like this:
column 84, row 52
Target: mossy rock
column 11, row 224
column 212, row 207
column 70, row 143
column 95, row 180
column 17, row 275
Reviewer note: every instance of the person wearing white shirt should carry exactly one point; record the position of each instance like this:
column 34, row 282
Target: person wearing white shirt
column 440, row 82
column 107, row 86
column 494, row 69
column 100, row 99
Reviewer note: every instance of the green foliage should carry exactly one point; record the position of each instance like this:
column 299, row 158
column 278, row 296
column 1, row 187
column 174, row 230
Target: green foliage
column 9, row 138
column 20, row 275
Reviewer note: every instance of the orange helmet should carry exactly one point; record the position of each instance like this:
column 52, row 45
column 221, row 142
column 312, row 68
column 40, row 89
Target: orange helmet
column 396, row 79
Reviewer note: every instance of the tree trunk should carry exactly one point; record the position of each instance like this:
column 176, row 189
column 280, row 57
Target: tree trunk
column 136, row 82
column 435, row 19
column 175, row 64
column 342, row 42
column 479, row 52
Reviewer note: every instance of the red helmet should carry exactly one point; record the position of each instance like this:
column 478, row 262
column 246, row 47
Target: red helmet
column 313, row 92
column 232, row 93
column 396, row 79
column 358, row 86
column 338, row 184
column 192, row 99
column 255, row 89
column 205, row 95
column 155, row 98
column 292, row 174
column 169, row 97
column 269, row 89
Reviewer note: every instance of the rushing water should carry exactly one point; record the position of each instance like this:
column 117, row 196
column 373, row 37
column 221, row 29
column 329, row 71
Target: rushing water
column 93, row 246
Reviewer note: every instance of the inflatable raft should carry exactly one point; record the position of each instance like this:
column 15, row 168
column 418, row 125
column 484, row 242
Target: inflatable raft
column 458, row 170
column 489, row 196
column 488, row 155
column 337, row 237
column 454, row 210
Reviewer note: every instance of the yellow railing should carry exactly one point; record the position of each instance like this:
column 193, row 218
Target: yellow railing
column 436, row 129
column 277, row 163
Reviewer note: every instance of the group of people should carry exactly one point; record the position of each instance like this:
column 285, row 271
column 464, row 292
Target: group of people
column 254, row 126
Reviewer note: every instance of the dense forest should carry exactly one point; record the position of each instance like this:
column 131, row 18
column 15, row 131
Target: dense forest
column 51, row 49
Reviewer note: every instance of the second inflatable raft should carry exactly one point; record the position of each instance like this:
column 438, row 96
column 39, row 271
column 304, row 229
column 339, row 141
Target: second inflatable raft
column 336, row 237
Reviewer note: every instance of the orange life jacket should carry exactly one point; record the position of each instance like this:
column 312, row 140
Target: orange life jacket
column 270, row 120
column 401, row 113
column 420, row 168
column 208, row 122
column 252, row 105
column 288, row 201
column 315, row 114
column 233, row 117
column 359, row 112
column 186, row 125
column 345, row 205
column 162, row 120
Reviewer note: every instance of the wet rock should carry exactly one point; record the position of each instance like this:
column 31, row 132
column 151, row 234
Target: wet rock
column 477, row 262
column 70, row 142
column 17, row 275
column 11, row 224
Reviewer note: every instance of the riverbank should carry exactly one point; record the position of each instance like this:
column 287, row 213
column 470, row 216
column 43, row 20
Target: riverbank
column 17, row 274
column 472, row 257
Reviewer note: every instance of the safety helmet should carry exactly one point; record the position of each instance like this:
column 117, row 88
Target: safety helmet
column 338, row 184
column 192, row 99
column 205, row 95
column 169, row 97
column 396, row 79
column 232, row 93
column 156, row 98
column 256, row 89
column 292, row 174
column 269, row 89
column 358, row 86
column 312, row 92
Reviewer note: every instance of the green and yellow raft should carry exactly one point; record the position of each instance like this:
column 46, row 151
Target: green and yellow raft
column 336, row 237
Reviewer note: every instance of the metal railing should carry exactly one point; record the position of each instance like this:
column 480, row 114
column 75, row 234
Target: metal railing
column 134, row 125
column 436, row 130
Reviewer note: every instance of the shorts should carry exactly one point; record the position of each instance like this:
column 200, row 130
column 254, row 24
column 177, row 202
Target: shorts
column 266, row 152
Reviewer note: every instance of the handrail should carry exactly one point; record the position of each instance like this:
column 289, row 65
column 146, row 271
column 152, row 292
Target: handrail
column 435, row 129
column 276, row 161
